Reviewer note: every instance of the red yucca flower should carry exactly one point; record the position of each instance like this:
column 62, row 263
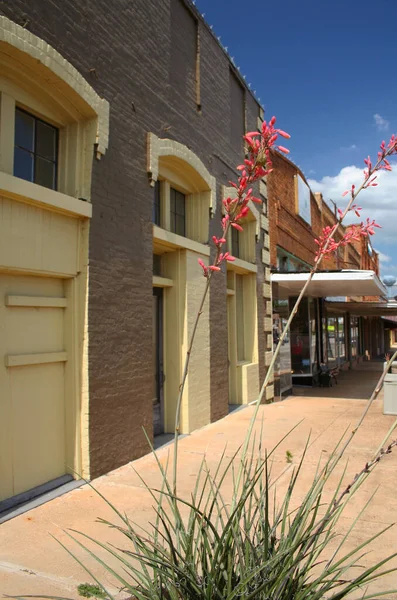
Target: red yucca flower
column 256, row 165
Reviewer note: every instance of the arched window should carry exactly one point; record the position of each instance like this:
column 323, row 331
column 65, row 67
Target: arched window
column 184, row 190
column 51, row 118
column 184, row 199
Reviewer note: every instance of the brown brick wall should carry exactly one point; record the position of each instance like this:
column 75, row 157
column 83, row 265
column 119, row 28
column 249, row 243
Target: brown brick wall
column 290, row 232
column 140, row 57
column 287, row 229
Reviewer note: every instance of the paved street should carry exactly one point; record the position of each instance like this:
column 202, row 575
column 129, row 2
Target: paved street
column 32, row 562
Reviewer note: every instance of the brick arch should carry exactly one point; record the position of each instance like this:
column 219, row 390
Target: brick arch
column 180, row 155
column 50, row 75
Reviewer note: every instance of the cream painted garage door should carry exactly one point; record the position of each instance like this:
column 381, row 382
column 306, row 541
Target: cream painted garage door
column 32, row 382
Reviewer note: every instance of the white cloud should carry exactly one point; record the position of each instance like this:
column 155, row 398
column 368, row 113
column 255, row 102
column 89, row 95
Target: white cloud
column 379, row 203
column 347, row 148
column 388, row 270
column 381, row 123
column 383, row 258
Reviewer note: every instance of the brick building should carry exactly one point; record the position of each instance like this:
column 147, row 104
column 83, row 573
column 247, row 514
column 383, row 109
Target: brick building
column 119, row 132
column 336, row 324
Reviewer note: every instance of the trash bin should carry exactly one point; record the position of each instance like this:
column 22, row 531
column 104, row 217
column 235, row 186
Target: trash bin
column 390, row 389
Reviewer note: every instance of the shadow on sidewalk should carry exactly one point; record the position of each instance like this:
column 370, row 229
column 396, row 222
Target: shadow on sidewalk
column 355, row 384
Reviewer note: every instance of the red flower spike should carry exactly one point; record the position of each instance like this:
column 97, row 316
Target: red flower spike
column 283, row 134
column 237, row 226
column 202, row 265
column 218, row 241
column 282, row 149
column 214, row 268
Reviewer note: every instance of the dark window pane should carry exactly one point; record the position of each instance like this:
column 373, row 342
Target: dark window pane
column 156, row 214
column 177, row 210
column 180, row 225
column 172, row 200
column 23, row 164
column 156, row 264
column 35, row 152
column 44, row 172
column 172, row 223
column 156, row 204
column 180, row 204
column 235, row 242
column 46, row 140
column 24, row 130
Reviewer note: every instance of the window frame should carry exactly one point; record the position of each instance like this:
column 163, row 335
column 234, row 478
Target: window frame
column 174, row 194
column 235, row 242
column 34, row 152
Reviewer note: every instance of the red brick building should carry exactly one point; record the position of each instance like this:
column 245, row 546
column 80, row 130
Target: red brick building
column 328, row 330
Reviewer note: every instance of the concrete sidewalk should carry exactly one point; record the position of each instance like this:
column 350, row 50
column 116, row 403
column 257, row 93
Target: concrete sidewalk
column 32, row 562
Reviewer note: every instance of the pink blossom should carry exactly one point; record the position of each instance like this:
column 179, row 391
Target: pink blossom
column 283, row 134
column 202, row 265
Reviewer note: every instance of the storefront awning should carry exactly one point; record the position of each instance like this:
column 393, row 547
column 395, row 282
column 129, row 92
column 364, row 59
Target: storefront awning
column 334, row 283
column 364, row 309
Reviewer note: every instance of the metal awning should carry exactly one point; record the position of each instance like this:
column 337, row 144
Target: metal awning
column 346, row 283
column 364, row 309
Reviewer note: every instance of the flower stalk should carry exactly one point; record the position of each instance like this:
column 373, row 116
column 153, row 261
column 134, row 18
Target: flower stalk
column 256, row 166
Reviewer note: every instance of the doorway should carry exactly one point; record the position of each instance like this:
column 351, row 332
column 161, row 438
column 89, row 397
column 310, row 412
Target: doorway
column 158, row 362
column 33, row 430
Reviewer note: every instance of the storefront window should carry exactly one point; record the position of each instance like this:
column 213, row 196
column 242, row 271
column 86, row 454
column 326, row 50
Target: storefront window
column 341, row 339
column 332, row 350
column 324, row 354
column 300, row 339
column 313, row 330
column 336, row 345
column 282, row 368
column 354, row 336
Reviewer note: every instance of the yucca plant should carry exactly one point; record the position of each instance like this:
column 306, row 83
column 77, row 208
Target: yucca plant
column 258, row 544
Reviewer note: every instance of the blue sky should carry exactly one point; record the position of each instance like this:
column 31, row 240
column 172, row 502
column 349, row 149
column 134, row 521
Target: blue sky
column 327, row 70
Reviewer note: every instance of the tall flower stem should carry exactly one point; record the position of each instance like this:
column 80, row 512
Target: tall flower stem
column 252, row 170
column 182, row 386
column 259, row 155
column 186, row 371
column 276, row 351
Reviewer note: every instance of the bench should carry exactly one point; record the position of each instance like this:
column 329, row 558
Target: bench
column 327, row 376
